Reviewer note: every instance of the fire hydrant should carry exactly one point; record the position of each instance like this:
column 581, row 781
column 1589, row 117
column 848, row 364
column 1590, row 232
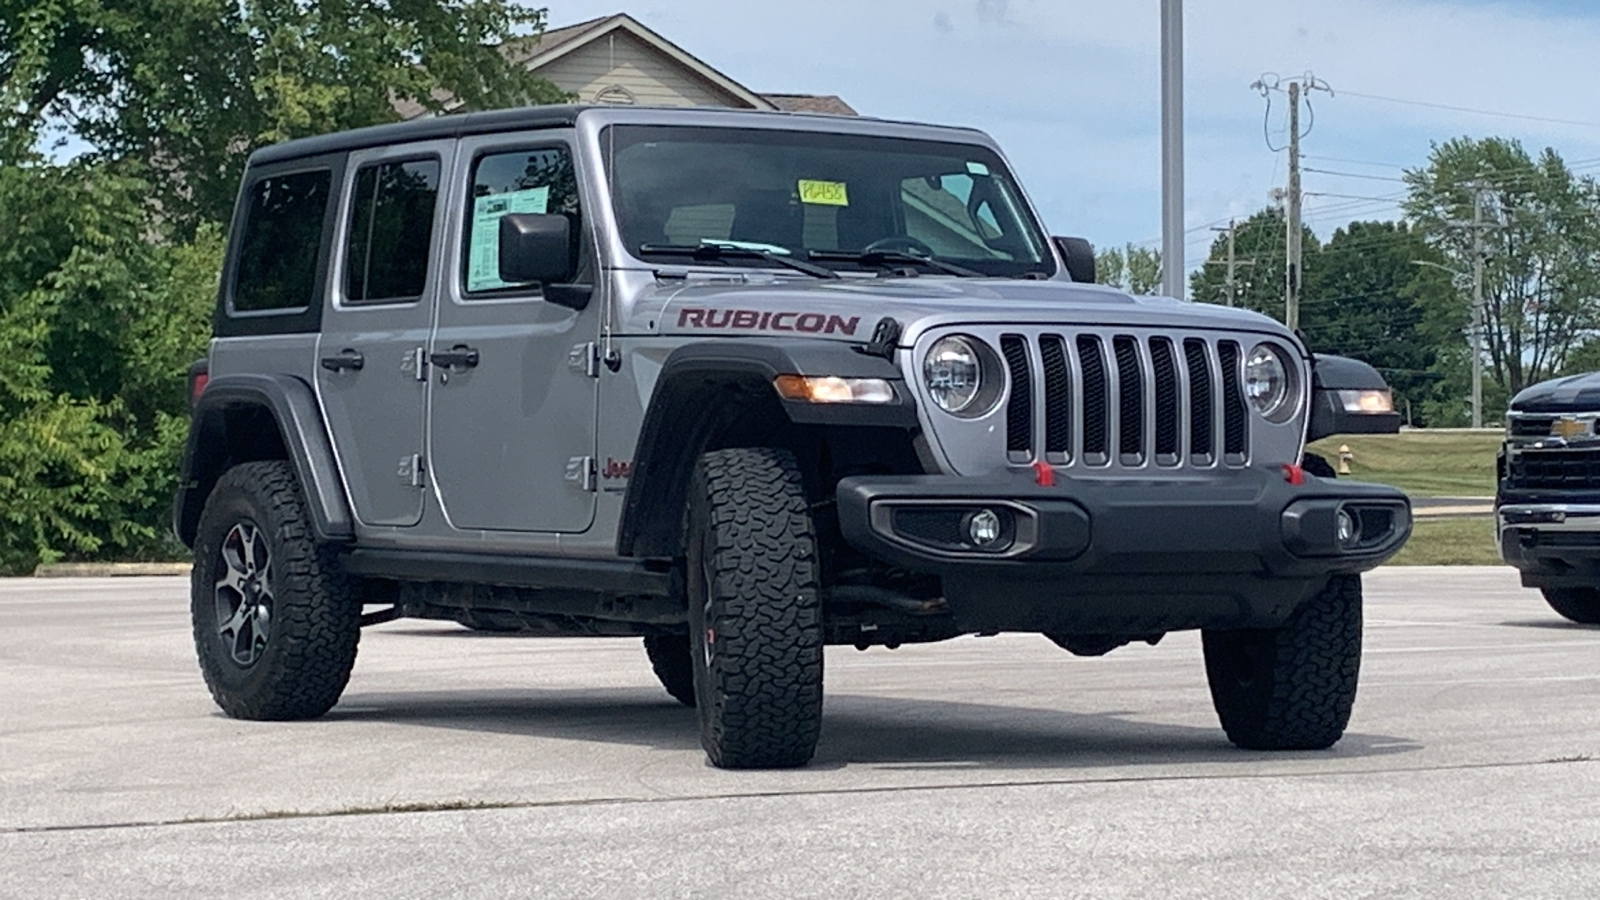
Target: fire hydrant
column 1344, row 459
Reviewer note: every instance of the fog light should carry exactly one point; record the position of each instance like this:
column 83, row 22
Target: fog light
column 983, row 527
column 1346, row 524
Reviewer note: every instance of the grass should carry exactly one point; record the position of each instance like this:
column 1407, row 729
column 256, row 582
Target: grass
column 1450, row 541
column 1454, row 463
column 1426, row 463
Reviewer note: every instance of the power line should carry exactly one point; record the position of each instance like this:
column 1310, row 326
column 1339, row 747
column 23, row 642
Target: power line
column 1354, row 175
column 1468, row 109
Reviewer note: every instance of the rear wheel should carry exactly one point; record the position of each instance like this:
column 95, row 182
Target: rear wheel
column 1580, row 604
column 669, row 657
column 1292, row 687
column 755, row 618
column 275, row 621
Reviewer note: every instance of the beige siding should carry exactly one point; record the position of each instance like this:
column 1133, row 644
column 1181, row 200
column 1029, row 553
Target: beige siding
column 621, row 59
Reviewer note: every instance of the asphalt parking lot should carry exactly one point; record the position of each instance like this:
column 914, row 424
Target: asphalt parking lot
column 471, row 765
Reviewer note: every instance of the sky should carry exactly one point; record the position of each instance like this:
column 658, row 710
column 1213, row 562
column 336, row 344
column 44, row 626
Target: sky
column 1071, row 89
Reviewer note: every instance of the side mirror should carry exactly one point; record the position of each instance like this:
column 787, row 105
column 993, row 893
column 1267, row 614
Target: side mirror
column 539, row 247
column 1078, row 254
column 1349, row 397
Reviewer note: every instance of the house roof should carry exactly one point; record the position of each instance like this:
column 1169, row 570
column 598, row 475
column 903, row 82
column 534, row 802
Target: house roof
column 555, row 43
column 830, row 104
column 558, row 42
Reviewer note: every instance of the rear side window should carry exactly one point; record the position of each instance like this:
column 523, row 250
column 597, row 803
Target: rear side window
column 391, row 225
column 282, row 232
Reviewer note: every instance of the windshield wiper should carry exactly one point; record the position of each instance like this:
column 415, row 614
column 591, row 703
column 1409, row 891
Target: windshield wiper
column 881, row 257
column 726, row 251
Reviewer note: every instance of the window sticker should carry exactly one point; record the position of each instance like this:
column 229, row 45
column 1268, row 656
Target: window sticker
column 825, row 193
column 483, row 262
column 977, row 168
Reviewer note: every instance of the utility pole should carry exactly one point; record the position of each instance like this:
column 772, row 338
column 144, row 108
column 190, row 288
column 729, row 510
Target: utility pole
column 1297, row 88
column 1477, row 305
column 1229, row 283
column 1172, row 264
column 1291, row 288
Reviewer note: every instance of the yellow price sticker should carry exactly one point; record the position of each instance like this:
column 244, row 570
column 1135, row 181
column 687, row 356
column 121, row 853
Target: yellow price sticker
column 827, row 193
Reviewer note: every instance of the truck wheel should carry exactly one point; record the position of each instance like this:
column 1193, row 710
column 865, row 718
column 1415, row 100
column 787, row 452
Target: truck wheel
column 1292, row 687
column 669, row 657
column 1318, row 465
column 1580, row 604
column 275, row 622
column 755, row 618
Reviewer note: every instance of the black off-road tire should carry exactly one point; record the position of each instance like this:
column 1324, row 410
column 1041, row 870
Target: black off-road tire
column 1290, row 688
column 1318, row 465
column 755, row 617
column 293, row 663
column 669, row 657
column 1580, row 604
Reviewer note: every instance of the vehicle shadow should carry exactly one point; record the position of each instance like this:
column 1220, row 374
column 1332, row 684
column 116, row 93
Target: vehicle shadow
column 857, row 729
column 1552, row 623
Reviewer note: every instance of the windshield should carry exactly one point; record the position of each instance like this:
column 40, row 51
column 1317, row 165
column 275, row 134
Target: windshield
column 847, row 202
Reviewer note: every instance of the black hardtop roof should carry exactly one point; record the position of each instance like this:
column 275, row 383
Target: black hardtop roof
column 497, row 120
column 447, row 126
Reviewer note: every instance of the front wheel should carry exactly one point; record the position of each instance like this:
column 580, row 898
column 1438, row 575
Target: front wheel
column 1580, row 604
column 755, row 617
column 275, row 621
column 670, row 659
column 1291, row 687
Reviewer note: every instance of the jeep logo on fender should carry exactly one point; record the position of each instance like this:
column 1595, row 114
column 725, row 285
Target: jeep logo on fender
column 766, row 320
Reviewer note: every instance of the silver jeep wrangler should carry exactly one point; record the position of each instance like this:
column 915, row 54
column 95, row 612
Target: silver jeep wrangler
column 743, row 385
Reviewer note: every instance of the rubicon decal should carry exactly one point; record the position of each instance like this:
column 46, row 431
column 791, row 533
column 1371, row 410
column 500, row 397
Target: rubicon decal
column 766, row 320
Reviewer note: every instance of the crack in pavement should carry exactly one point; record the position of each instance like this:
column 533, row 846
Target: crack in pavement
column 470, row 805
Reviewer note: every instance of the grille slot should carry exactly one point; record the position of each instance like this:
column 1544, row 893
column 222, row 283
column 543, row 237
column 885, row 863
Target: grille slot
column 1127, row 400
column 1130, row 401
column 1202, row 448
column 1057, row 397
column 1019, row 409
column 1166, row 385
column 1532, row 426
column 1096, row 448
column 1235, row 432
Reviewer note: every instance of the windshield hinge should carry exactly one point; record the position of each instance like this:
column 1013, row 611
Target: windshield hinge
column 585, row 358
column 581, row 473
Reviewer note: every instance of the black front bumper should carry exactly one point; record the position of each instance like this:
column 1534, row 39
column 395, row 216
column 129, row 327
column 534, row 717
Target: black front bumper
column 1239, row 548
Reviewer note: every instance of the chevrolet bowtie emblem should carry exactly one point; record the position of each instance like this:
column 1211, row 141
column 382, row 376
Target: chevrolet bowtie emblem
column 1568, row 427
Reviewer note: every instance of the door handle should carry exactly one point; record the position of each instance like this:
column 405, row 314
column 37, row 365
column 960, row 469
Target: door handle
column 459, row 355
column 347, row 358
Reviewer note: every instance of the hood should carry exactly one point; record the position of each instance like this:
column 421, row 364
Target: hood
column 1575, row 393
column 849, row 308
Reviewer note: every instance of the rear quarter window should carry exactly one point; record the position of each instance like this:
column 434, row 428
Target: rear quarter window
column 278, row 246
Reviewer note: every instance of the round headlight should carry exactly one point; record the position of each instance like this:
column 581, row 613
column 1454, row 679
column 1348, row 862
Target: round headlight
column 1267, row 382
column 953, row 372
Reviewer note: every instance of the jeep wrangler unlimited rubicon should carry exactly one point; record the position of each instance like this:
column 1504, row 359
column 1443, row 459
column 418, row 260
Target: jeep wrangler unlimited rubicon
column 743, row 385
column 1547, row 496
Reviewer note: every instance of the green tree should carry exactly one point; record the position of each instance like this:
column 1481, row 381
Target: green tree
column 1541, row 268
column 1133, row 268
column 109, row 261
column 1371, row 300
column 184, row 89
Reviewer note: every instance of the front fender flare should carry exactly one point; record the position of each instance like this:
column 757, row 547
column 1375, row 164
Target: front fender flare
column 691, row 396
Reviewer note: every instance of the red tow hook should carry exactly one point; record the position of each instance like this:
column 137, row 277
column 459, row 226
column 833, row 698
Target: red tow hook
column 1293, row 474
column 1043, row 475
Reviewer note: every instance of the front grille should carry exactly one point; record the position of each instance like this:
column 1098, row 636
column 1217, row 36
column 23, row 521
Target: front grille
column 1091, row 400
column 1531, row 426
column 1553, row 470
